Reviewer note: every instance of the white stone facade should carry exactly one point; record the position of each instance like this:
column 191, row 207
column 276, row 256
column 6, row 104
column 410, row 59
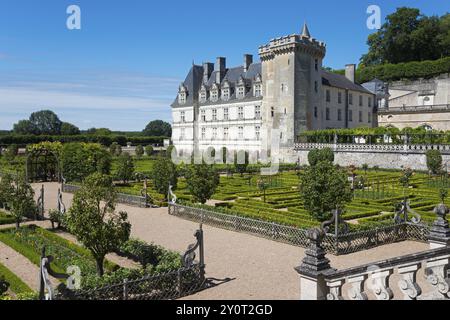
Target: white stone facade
column 263, row 107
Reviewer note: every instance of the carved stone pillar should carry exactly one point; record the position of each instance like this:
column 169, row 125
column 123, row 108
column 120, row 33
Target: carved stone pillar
column 437, row 276
column 335, row 290
column 380, row 284
column 440, row 232
column 356, row 292
column 314, row 268
column 408, row 285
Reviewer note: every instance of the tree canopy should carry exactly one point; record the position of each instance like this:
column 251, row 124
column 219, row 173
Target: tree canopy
column 45, row 122
column 158, row 128
column 408, row 35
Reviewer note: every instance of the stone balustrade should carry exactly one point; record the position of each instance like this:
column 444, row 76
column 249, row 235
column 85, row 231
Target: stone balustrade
column 355, row 147
column 319, row 281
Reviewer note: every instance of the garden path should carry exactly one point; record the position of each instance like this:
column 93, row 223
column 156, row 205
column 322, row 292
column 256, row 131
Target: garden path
column 258, row 268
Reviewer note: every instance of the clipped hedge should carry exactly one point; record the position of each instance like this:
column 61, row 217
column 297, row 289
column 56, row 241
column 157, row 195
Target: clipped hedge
column 408, row 70
column 106, row 140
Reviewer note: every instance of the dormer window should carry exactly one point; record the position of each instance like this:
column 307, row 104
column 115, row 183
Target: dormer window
column 257, row 86
column 182, row 94
column 215, row 93
column 226, row 91
column 183, row 117
column 203, row 94
column 240, row 93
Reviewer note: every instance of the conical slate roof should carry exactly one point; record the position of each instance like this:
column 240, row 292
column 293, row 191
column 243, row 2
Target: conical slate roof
column 305, row 31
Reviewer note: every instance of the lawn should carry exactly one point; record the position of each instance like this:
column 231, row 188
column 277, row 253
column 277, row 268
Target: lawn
column 16, row 285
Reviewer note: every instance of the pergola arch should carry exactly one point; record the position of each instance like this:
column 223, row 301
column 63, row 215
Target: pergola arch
column 43, row 165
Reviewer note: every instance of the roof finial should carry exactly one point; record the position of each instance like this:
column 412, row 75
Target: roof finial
column 305, row 31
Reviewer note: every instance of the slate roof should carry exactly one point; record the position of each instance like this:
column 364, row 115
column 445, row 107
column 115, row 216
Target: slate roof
column 194, row 81
column 340, row 81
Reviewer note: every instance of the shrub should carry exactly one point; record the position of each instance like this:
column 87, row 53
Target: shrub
column 318, row 155
column 149, row 150
column 434, row 161
column 139, row 151
column 164, row 173
column 202, row 181
column 125, row 168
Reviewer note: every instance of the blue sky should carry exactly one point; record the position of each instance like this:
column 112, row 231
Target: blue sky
column 122, row 69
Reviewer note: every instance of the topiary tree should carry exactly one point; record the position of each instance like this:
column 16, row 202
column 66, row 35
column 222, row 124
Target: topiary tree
column 318, row 155
column 94, row 221
column 149, row 150
column 241, row 162
column 139, row 151
column 202, row 181
column 324, row 187
column 125, row 168
column 434, row 161
column 164, row 173
column 115, row 149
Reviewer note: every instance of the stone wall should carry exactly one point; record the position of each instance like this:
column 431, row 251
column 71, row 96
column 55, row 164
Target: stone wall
column 384, row 160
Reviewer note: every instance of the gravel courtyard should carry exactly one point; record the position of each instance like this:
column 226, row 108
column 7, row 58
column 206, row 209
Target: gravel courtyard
column 257, row 268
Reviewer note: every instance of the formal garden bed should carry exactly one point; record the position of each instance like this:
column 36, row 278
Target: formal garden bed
column 5, row 218
column 30, row 240
column 16, row 288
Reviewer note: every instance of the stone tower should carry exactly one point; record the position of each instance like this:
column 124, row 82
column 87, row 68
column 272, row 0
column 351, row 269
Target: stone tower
column 292, row 77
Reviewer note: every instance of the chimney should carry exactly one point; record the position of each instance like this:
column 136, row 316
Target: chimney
column 208, row 69
column 350, row 72
column 220, row 69
column 248, row 60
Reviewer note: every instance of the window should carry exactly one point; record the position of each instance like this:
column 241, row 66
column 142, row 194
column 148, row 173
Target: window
column 214, row 95
column 258, row 112
column 316, row 86
column 183, row 116
column 225, row 133
column 240, row 113
column 226, row 94
column 183, row 132
column 360, row 101
column 328, row 96
column 241, row 132
column 214, row 133
column 316, row 64
column 350, row 115
column 182, row 98
column 241, row 92
column 339, row 97
column 203, row 95
column 214, row 114
column 272, row 112
column 257, row 132
column 203, row 115
column 225, row 114
column 360, row 116
column 370, row 117
column 350, row 98
column 327, row 113
column 257, row 90
column 203, row 133
column 370, row 102
column 339, row 117
column 315, row 112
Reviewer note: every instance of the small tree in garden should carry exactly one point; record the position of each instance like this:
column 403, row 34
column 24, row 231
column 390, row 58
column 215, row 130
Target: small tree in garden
column 18, row 195
column 365, row 167
column 324, row 187
column 405, row 178
column 164, row 173
column 139, row 151
column 202, row 181
column 169, row 151
column 11, row 152
column 149, row 150
column 443, row 194
column 434, row 161
column 318, row 155
column 241, row 162
column 125, row 168
column 94, row 221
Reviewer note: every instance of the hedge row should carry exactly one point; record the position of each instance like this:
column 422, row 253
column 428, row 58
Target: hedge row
column 408, row 70
column 23, row 140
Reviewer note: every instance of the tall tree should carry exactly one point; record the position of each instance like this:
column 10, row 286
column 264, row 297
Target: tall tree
column 94, row 221
column 158, row 128
column 408, row 35
column 68, row 129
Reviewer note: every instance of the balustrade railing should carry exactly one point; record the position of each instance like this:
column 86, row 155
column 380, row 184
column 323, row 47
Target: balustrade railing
column 418, row 276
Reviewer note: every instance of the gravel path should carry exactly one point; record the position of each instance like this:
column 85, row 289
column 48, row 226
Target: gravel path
column 257, row 268
column 22, row 267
